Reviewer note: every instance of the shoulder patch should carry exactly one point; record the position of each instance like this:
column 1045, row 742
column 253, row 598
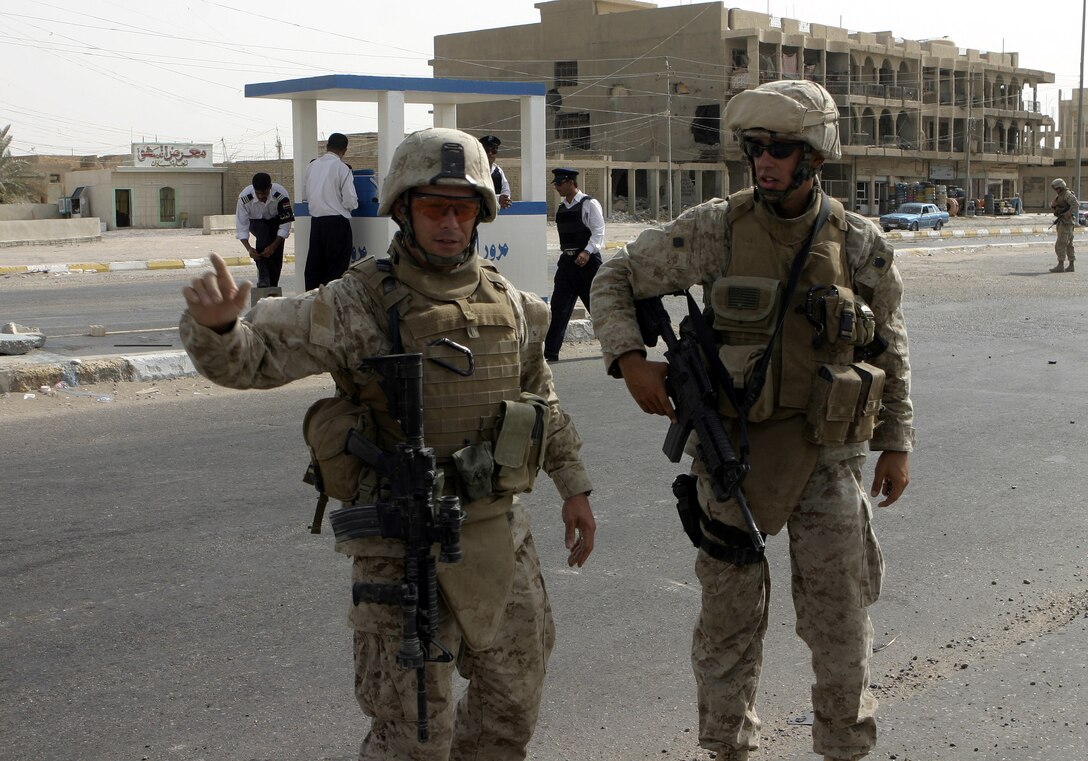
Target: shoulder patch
column 248, row 197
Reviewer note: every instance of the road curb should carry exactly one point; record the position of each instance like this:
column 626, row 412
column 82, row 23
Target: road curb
column 47, row 369
column 126, row 266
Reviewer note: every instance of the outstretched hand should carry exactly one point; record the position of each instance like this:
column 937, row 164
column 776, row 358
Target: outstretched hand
column 214, row 300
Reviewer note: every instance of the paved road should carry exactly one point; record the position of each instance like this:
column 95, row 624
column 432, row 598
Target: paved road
column 161, row 599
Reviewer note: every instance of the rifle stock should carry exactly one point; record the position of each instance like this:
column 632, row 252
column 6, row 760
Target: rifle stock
column 695, row 400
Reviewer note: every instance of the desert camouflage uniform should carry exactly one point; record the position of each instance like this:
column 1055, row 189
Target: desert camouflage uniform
column 835, row 559
column 332, row 328
column 1065, row 207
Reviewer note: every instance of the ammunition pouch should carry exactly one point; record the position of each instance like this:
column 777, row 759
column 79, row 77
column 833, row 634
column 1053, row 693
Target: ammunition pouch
column 734, row 545
column 844, row 404
column 510, row 464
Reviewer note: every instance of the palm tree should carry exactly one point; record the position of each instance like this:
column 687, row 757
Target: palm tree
column 14, row 185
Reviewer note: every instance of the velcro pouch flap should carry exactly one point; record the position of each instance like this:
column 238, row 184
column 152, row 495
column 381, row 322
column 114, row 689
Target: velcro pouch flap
column 746, row 303
column 842, row 396
column 872, row 388
column 516, row 423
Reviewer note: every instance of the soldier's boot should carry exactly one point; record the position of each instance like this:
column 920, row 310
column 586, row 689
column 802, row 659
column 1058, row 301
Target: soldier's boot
column 1069, row 267
column 1059, row 268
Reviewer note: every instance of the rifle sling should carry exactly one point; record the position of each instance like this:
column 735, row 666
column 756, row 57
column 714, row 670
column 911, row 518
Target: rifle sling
column 750, row 391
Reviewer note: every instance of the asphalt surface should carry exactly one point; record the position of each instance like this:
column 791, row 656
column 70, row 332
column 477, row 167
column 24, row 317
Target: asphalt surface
column 948, row 708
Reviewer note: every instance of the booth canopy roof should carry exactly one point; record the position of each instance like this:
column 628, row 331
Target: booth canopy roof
column 367, row 89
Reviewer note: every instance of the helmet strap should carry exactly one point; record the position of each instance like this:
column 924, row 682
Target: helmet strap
column 805, row 171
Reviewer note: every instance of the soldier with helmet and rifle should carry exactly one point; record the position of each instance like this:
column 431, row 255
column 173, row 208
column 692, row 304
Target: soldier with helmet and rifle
column 789, row 366
column 445, row 411
column 1065, row 207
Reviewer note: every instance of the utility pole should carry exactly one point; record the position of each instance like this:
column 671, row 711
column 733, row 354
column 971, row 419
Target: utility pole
column 1080, row 94
column 668, row 133
column 967, row 144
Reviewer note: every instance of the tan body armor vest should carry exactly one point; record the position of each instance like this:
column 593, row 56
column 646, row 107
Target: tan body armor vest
column 473, row 309
column 457, row 409
column 795, row 359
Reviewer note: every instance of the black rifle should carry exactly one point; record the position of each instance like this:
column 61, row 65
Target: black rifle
column 406, row 510
column 695, row 400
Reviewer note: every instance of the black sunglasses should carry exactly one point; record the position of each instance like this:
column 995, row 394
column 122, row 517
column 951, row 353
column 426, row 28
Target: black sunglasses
column 777, row 149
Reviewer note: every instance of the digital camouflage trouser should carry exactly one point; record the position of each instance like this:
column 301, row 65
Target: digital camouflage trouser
column 495, row 718
column 836, row 573
column 1063, row 245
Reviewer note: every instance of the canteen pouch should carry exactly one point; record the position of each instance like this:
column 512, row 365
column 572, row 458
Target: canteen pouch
column 869, row 401
column 520, row 439
column 326, row 427
column 832, row 405
column 741, row 362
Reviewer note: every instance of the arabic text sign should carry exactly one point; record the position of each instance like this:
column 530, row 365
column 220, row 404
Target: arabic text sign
column 172, row 155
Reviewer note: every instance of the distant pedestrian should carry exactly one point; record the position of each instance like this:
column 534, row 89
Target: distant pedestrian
column 580, row 222
column 498, row 177
column 1065, row 207
column 330, row 192
column 264, row 210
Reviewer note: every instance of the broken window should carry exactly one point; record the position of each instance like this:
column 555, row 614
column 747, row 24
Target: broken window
column 573, row 129
column 706, row 125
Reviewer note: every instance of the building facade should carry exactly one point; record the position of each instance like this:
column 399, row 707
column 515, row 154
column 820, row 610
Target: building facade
column 639, row 89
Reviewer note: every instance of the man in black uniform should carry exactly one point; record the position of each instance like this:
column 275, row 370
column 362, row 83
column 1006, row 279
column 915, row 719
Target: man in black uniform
column 265, row 211
column 502, row 185
column 580, row 222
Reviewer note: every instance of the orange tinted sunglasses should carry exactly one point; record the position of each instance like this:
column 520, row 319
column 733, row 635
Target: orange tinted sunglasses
column 435, row 207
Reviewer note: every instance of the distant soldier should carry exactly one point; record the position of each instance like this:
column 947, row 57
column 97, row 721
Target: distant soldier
column 1065, row 207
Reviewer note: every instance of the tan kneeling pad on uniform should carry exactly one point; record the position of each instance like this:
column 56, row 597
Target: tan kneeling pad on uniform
column 476, row 589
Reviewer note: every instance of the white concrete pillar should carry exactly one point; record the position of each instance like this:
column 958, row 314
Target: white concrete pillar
column 390, row 129
column 304, row 145
column 445, row 115
column 534, row 184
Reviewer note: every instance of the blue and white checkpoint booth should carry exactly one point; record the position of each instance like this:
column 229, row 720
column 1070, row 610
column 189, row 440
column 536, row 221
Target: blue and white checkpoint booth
column 516, row 242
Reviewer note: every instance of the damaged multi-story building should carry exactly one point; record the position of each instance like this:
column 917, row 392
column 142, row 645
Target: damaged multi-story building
column 634, row 89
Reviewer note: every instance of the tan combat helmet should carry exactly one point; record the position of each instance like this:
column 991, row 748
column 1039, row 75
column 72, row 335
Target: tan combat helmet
column 439, row 156
column 1059, row 184
column 790, row 109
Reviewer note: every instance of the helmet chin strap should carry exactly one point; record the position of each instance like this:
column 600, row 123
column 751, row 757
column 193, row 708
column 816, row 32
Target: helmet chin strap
column 802, row 174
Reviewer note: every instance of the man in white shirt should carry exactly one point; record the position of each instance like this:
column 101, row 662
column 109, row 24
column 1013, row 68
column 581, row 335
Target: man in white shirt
column 580, row 223
column 491, row 145
column 264, row 210
column 330, row 192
